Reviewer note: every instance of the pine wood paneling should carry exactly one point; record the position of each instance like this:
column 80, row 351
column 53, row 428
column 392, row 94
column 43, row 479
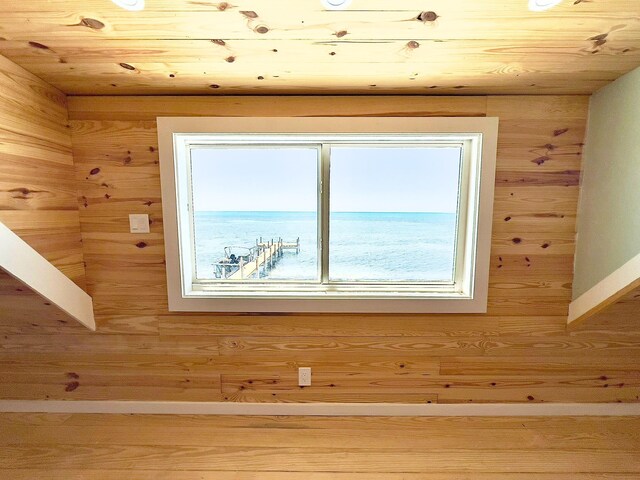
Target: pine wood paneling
column 81, row 474
column 492, row 21
column 625, row 311
column 38, row 194
column 293, row 47
column 163, row 447
column 21, row 307
column 519, row 351
column 131, row 108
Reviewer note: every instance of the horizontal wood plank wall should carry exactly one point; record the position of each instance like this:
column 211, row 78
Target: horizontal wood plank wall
column 519, row 351
column 38, row 194
column 146, row 447
column 21, row 305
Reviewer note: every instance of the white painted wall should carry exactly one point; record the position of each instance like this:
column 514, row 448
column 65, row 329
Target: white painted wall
column 609, row 211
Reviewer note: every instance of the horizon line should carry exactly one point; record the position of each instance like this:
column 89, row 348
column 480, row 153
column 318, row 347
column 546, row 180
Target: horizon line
column 315, row 211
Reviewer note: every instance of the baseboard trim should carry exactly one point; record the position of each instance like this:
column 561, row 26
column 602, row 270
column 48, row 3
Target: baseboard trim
column 323, row 409
column 607, row 291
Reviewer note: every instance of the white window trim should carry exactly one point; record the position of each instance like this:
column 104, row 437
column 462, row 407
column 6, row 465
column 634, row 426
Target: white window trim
column 183, row 296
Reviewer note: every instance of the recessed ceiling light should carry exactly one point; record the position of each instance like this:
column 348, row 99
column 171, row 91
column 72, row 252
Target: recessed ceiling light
column 335, row 4
column 542, row 5
column 133, row 5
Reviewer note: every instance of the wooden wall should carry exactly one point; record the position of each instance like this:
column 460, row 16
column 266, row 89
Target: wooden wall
column 21, row 305
column 519, row 351
column 38, row 194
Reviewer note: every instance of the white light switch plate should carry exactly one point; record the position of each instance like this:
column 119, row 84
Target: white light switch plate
column 304, row 376
column 139, row 223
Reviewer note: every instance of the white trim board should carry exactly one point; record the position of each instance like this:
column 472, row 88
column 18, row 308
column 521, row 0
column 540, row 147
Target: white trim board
column 22, row 262
column 323, row 409
column 606, row 291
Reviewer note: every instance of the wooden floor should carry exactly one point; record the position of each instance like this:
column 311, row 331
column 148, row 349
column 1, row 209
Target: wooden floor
column 69, row 447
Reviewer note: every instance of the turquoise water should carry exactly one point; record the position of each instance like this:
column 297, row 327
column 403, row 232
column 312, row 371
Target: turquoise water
column 398, row 246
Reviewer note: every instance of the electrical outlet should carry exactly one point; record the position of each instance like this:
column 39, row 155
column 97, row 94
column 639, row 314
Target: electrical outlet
column 304, row 376
column 139, row 223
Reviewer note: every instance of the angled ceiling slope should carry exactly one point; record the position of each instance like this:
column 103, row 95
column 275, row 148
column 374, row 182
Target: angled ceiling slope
column 31, row 289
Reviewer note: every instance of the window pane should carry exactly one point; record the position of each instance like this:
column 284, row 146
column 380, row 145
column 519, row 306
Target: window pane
column 394, row 213
column 245, row 200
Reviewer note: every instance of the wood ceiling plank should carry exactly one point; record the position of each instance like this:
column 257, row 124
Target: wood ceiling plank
column 311, row 7
column 167, row 66
column 427, row 72
column 448, row 68
column 219, row 6
column 472, row 21
column 292, row 47
column 377, row 81
column 539, row 53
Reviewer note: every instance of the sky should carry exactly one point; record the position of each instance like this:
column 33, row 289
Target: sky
column 363, row 179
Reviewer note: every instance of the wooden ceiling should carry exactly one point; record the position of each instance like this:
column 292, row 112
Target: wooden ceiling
column 297, row 47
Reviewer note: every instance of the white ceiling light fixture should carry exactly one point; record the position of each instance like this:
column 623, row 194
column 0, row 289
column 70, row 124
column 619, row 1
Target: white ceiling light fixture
column 335, row 4
column 133, row 5
column 542, row 5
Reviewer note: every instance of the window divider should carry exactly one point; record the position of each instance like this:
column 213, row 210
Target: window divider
column 324, row 209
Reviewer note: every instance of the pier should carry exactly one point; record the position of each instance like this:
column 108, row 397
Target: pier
column 264, row 254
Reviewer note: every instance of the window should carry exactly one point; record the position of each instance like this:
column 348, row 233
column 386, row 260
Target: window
column 324, row 214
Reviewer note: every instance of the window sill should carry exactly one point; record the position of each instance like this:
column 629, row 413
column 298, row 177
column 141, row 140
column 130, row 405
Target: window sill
column 330, row 302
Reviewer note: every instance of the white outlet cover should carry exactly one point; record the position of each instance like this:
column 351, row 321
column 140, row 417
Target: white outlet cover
column 139, row 223
column 304, row 376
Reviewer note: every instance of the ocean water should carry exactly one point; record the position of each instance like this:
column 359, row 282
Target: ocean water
column 371, row 246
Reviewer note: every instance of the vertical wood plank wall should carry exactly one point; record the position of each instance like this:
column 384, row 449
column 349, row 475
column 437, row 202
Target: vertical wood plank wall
column 519, row 351
column 38, row 192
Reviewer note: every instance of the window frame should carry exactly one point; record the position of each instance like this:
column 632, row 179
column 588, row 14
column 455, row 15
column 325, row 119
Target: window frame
column 185, row 295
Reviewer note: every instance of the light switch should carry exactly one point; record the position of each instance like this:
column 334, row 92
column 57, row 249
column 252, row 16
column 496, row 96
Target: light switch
column 139, row 223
